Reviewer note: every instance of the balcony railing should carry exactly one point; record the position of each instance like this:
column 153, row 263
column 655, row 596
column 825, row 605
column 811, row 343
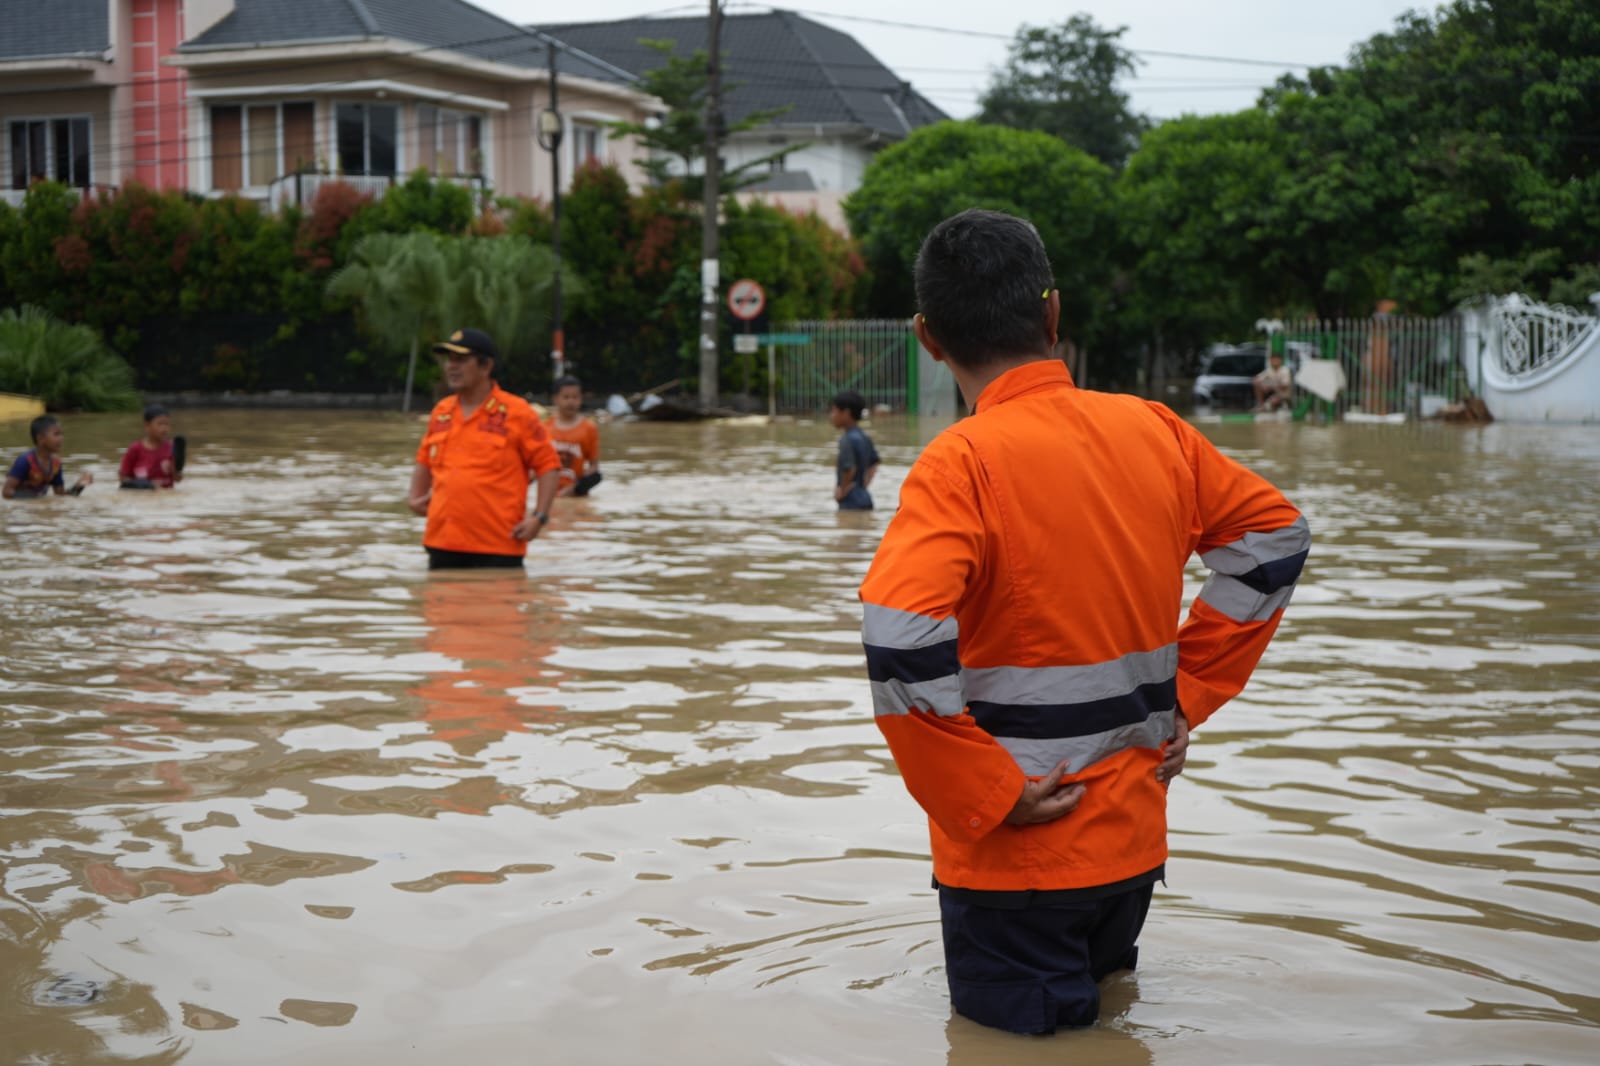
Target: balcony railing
column 299, row 189
column 15, row 197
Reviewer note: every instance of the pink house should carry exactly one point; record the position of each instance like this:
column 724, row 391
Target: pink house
column 264, row 98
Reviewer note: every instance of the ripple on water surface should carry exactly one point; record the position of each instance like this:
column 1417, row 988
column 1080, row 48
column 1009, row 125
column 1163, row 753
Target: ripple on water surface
column 272, row 793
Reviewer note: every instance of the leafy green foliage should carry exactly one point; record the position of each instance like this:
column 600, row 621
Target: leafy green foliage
column 941, row 170
column 66, row 366
column 222, row 293
column 421, row 203
column 1063, row 80
column 1190, row 207
column 411, row 289
column 1470, row 132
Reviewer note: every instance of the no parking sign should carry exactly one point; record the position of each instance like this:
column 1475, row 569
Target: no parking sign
column 746, row 299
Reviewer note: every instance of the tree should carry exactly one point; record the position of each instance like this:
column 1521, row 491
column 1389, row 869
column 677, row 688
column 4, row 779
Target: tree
column 66, row 366
column 413, row 288
column 1467, row 133
column 404, row 290
column 504, row 286
column 677, row 140
column 946, row 168
column 1190, row 208
column 1063, row 80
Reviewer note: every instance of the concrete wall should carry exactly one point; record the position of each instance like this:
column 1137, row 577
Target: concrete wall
column 835, row 162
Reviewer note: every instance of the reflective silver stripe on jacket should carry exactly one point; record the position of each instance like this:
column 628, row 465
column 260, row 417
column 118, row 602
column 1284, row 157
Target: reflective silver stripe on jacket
column 1242, row 603
column 1258, row 549
column 1070, row 684
column 1039, row 757
column 887, row 627
column 942, row 696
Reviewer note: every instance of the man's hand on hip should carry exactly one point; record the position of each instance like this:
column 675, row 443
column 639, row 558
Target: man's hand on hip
column 1045, row 800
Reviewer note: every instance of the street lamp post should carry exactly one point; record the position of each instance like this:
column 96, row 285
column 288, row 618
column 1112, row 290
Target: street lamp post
column 549, row 132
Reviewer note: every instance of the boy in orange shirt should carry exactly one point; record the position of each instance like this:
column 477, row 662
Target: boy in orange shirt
column 576, row 439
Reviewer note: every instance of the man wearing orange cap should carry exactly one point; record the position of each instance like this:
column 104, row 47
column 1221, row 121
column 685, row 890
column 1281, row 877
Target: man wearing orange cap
column 482, row 447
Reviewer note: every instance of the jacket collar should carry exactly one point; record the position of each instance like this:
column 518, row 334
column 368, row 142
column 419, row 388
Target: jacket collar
column 496, row 395
column 1021, row 380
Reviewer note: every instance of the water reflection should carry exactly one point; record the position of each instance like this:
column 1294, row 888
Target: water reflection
column 274, row 793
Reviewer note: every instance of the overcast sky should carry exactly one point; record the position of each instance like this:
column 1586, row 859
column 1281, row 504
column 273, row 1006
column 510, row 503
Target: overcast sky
column 952, row 68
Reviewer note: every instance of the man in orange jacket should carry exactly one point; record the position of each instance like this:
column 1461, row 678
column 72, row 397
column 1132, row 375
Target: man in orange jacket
column 480, row 450
column 1021, row 628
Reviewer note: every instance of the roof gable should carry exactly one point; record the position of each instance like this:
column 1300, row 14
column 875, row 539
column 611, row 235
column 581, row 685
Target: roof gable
column 774, row 60
column 30, row 29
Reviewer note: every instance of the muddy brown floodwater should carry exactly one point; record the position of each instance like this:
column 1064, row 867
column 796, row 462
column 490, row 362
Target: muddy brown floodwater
column 273, row 794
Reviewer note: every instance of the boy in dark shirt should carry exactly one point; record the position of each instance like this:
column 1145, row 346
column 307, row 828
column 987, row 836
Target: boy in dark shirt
column 38, row 472
column 858, row 459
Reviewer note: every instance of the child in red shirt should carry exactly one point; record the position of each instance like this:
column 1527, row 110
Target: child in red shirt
column 149, row 463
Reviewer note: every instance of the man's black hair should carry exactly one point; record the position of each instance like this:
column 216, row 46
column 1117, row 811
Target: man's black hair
column 566, row 381
column 154, row 411
column 983, row 281
column 852, row 401
column 37, row 427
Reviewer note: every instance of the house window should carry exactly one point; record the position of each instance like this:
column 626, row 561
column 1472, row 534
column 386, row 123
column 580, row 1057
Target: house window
column 366, row 138
column 50, row 149
column 253, row 145
column 588, row 144
column 449, row 142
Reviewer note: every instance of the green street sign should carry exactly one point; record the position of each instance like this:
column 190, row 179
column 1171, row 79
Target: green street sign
column 784, row 338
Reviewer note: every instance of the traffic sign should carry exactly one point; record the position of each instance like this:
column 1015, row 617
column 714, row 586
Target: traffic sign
column 745, row 343
column 746, row 299
column 784, row 338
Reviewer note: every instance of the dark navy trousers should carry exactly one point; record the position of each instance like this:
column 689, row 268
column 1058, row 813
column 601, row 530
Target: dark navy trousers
column 1032, row 968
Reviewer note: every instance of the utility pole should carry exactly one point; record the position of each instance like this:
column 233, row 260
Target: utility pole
column 558, row 341
column 710, row 268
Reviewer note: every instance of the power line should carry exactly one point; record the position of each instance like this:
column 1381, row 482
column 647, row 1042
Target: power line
column 990, row 35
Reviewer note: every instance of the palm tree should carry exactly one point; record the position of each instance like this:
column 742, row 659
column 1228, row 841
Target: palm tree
column 67, row 366
column 404, row 289
column 506, row 288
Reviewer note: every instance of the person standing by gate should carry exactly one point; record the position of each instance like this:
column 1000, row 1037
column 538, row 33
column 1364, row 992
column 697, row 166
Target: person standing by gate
column 1020, row 622
column 480, row 450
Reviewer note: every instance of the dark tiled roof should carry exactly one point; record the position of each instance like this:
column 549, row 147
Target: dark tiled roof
column 785, row 181
column 773, row 60
column 36, row 29
column 443, row 25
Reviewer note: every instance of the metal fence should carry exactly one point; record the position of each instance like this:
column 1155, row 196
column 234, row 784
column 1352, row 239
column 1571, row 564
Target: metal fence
column 1392, row 364
column 875, row 357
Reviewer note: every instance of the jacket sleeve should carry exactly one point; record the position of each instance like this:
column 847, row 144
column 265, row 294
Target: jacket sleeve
column 1254, row 542
column 929, row 556
column 538, row 453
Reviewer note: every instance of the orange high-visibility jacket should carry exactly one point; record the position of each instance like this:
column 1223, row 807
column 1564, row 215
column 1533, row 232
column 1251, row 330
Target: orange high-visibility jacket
column 481, row 466
column 1023, row 611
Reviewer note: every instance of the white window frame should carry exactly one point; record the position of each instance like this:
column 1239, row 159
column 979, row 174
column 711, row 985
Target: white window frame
column 463, row 164
column 400, row 162
column 50, row 135
column 600, row 121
